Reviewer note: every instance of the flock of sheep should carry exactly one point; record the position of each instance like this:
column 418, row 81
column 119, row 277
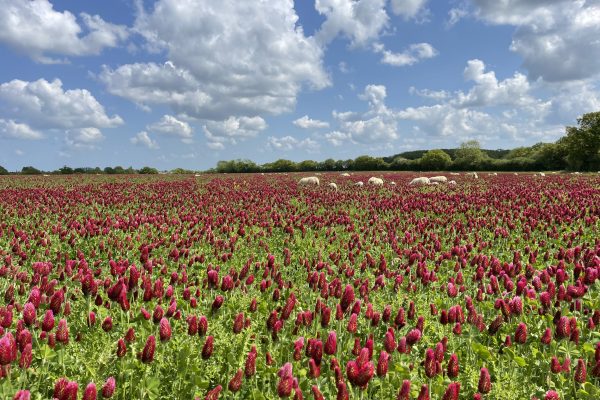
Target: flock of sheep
column 423, row 180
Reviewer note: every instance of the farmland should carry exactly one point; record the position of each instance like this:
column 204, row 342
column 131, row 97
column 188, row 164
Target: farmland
column 251, row 287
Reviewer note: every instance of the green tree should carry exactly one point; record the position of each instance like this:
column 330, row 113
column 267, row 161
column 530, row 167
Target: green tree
column 583, row 143
column 327, row 165
column 469, row 155
column 308, row 165
column 435, row 160
column 148, row 170
column 29, row 170
column 3, row 171
column 280, row 165
column 66, row 170
column 368, row 163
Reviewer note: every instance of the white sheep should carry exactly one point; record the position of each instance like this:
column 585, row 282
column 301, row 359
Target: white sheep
column 309, row 180
column 359, row 183
column 516, row 174
column 472, row 174
column 493, row 174
column 333, row 186
column 454, row 173
column 423, row 180
column 345, row 174
column 434, row 183
column 542, row 174
column 375, row 181
column 393, row 183
column 452, row 183
column 440, row 178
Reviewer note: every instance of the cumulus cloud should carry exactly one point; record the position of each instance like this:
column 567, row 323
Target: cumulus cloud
column 83, row 138
column 408, row 8
column 143, row 139
column 377, row 125
column 415, row 53
column 488, row 91
column 232, row 130
column 558, row 39
column 168, row 125
column 46, row 105
column 437, row 95
column 360, row 21
column 245, row 59
column 289, row 143
column 14, row 130
column 307, row 123
column 34, row 28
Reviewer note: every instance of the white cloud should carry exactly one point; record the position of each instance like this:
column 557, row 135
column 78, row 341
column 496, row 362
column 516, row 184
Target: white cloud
column 34, row 28
column 360, row 21
column 227, row 58
column 408, row 8
column 143, row 139
column 376, row 126
column 438, row 95
column 455, row 15
column 488, row 91
column 12, row 129
column 83, row 138
column 46, row 105
column 415, row 53
column 557, row 39
column 307, row 123
column 232, row 129
column 170, row 126
column 289, row 143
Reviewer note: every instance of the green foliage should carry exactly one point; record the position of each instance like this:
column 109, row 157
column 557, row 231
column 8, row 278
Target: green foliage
column 237, row 166
column 435, row 160
column 469, row 155
column 583, row 143
column 3, row 171
column 148, row 170
column 368, row 163
column 29, row 170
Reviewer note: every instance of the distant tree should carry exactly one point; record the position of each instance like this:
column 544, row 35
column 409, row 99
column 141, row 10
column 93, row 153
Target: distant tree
column 181, row 171
column 469, row 155
column 583, row 143
column 368, row 163
column 65, row 170
column 148, row 170
column 308, row 165
column 327, row 165
column 435, row 160
column 3, row 171
column 280, row 165
column 552, row 156
column 109, row 170
column 29, row 170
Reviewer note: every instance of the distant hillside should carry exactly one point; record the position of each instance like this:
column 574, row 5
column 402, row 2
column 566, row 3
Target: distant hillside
column 416, row 154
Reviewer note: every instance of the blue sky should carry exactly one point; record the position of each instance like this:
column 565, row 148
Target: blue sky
column 185, row 83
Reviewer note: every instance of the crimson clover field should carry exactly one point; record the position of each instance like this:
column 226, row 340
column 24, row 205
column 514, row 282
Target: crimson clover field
column 251, row 287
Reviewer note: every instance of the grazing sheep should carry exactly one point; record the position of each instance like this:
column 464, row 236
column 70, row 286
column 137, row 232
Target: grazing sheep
column 433, row 183
column 309, row 180
column 440, row 178
column 345, row 174
column 493, row 174
column 420, row 181
column 393, row 183
column 375, row 181
column 516, row 174
column 542, row 174
column 359, row 183
column 452, row 183
column 472, row 174
column 333, row 186
column 454, row 173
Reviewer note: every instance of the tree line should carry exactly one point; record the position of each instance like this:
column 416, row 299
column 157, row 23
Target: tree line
column 578, row 150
